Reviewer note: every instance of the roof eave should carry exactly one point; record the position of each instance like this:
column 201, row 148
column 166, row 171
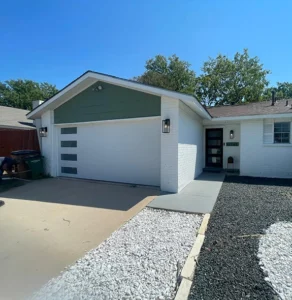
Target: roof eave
column 52, row 103
column 39, row 110
column 17, row 127
column 251, row 117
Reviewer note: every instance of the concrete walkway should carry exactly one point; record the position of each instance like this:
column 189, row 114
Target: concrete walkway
column 199, row 196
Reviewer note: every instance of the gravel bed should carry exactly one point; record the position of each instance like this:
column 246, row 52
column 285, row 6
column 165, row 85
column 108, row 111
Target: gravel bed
column 228, row 266
column 138, row 261
column 275, row 254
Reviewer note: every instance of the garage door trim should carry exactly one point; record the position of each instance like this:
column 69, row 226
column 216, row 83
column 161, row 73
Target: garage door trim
column 105, row 121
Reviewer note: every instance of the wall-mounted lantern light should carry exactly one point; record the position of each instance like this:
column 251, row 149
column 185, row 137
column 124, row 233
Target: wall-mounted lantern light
column 166, row 126
column 43, row 131
column 231, row 135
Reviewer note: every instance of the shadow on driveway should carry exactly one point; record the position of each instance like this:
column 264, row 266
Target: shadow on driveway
column 8, row 184
column 82, row 193
column 48, row 224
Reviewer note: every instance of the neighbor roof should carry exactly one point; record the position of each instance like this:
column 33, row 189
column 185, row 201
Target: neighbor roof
column 14, row 118
column 251, row 109
column 90, row 77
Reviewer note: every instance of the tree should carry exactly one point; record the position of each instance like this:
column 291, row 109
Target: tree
column 283, row 91
column 169, row 73
column 20, row 93
column 225, row 81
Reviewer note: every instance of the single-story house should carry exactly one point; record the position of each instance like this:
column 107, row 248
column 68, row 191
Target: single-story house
column 16, row 131
column 106, row 128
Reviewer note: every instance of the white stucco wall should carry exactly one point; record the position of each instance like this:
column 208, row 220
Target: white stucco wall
column 190, row 146
column 49, row 144
column 169, row 146
column 259, row 159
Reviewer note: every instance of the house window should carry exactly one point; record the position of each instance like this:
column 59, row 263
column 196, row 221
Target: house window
column 282, row 132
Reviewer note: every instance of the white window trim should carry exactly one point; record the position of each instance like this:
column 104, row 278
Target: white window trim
column 277, row 145
column 273, row 144
column 283, row 132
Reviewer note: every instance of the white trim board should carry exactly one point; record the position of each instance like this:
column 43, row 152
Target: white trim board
column 242, row 118
column 105, row 121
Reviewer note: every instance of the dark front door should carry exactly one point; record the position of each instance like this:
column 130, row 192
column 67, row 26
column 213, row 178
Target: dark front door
column 214, row 148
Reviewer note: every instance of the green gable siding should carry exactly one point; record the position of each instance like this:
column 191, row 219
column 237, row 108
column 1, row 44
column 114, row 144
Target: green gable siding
column 112, row 102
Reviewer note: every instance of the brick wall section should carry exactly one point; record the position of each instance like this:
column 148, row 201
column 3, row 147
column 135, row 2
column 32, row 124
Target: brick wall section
column 48, row 143
column 190, row 146
column 169, row 146
column 182, row 148
column 258, row 159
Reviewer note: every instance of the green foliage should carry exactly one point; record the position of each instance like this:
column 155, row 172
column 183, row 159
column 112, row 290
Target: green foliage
column 169, row 73
column 225, row 81
column 283, row 91
column 20, row 93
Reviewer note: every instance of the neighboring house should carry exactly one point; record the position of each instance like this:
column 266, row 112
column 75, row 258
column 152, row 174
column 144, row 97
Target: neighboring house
column 107, row 128
column 16, row 132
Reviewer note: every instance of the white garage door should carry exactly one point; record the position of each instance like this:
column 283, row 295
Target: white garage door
column 120, row 151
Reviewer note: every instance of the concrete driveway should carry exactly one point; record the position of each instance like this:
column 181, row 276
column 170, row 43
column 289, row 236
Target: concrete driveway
column 47, row 225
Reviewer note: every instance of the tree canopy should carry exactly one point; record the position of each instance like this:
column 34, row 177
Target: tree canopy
column 283, row 91
column 20, row 93
column 231, row 81
column 223, row 81
column 169, row 73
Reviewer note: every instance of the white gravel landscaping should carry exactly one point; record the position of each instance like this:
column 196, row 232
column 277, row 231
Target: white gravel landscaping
column 138, row 261
column 275, row 254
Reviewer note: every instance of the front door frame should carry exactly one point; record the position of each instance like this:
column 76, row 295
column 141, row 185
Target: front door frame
column 220, row 147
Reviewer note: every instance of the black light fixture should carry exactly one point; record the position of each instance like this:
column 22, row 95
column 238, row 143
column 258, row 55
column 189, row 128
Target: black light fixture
column 231, row 135
column 43, row 131
column 166, row 126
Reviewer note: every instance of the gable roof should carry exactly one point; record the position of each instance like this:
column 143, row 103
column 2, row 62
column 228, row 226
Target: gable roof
column 90, row 77
column 11, row 117
column 251, row 109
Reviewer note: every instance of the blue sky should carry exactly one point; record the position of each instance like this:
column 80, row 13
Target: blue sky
column 57, row 40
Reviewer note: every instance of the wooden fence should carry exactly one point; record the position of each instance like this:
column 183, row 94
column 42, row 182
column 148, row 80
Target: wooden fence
column 17, row 139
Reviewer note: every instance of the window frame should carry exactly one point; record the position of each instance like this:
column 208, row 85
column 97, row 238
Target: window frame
column 282, row 132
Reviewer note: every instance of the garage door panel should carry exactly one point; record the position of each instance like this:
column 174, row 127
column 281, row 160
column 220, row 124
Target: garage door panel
column 68, row 150
column 69, row 171
column 122, row 151
column 66, row 163
column 68, row 137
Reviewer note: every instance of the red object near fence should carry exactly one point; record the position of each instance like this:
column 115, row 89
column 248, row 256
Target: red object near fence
column 17, row 139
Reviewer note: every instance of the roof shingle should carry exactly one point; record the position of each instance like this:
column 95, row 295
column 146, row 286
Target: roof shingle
column 251, row 109
column 15, row 118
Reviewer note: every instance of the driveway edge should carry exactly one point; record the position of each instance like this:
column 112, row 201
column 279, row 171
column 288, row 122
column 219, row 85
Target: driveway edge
column 188, row 271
